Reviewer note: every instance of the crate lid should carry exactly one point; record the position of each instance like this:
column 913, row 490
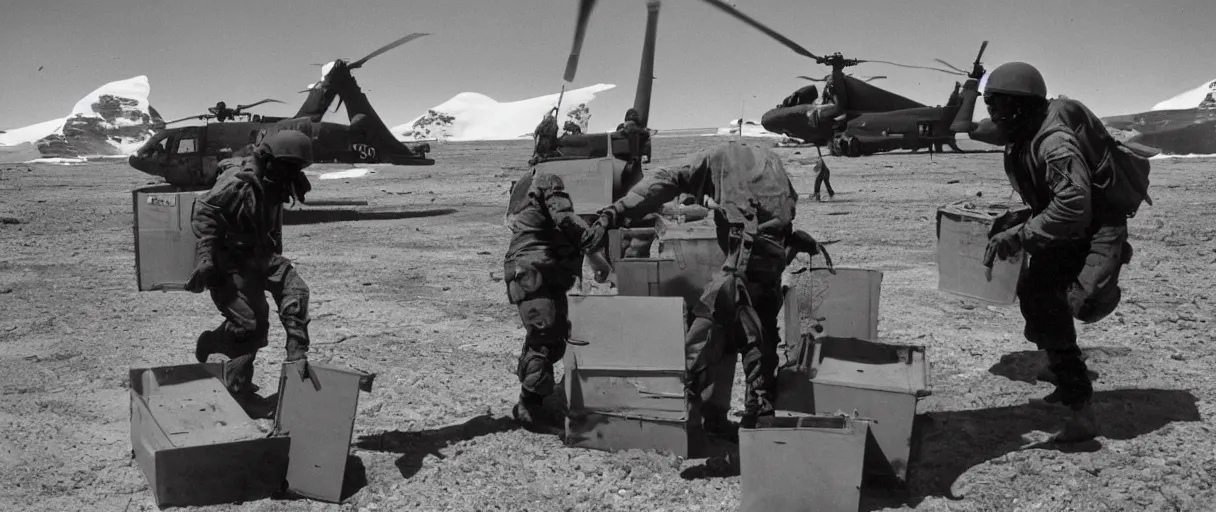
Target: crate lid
column 317, row 411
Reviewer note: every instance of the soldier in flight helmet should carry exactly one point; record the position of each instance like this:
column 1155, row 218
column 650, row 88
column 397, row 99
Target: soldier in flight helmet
column 1077, row 244
column 239, row 225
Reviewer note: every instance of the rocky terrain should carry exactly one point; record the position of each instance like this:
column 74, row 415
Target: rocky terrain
column 420, row 302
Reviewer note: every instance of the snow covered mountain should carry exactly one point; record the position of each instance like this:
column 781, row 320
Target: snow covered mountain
column 114, row 119
column 750, row 129
column 472, row 116
column 1199, row 97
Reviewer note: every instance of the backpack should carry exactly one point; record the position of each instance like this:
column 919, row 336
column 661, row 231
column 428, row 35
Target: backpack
column 1121, row 179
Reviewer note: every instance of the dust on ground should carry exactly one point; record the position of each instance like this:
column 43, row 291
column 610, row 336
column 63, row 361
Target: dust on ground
column 421, row 303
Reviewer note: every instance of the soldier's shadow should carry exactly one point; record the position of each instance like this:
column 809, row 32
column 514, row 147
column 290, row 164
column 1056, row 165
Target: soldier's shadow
column 948, row 443
column 415, row 446
column 1024, row 365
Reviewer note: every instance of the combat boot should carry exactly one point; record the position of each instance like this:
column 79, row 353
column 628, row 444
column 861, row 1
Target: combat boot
column 1056, row 397
column 1082, row 425
column 531, row 414
column 205, row 345
column 816, row 197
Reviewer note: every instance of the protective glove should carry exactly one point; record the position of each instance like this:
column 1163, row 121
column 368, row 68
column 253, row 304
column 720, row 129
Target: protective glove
column 1003, row 245
column 609, row 217
column 800, row 241
column 600, row 266
column 203, row 276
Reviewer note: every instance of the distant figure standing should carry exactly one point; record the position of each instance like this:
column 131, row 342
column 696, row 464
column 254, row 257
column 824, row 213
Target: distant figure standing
column 822, row 176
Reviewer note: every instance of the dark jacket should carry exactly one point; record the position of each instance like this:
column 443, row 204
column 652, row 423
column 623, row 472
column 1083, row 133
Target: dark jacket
column 739, row 177
column 238, row 221
column 1053, row 172
column 546, row 234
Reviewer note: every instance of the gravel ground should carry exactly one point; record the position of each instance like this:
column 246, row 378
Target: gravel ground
column 420, row 302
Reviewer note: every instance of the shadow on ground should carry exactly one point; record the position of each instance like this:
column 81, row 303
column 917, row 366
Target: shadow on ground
column 949, row 443
column 1025, row 365
column 354, row 479
column 318, row 216
column 415, row 446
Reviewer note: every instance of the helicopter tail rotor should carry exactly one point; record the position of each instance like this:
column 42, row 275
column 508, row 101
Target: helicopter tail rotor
column 977, row 69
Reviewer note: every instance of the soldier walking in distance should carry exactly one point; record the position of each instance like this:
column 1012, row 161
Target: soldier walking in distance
column 1076, row 240
column 753, row 206
column 822, row 177
column 239, row 225
column 542, row 263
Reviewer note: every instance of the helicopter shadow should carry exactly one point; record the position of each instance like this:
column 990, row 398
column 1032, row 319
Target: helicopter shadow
column 292, row 217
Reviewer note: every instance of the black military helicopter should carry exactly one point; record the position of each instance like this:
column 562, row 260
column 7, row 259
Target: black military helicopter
column 603, row 158
column 856, row 118
column 187, row 156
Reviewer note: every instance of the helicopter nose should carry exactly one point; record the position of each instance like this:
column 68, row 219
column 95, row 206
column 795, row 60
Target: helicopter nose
column 803, row 121
column 142, row 164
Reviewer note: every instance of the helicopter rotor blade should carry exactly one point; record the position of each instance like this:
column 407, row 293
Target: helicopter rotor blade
column 386, row 48
column 731, row 10
column 812, row 79
column 873, row 78
column 251, row 105
column 580, row 31
column 946, row 71
column 951, row 66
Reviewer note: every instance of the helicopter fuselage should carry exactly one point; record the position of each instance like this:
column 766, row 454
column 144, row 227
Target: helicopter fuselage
column 188, row 155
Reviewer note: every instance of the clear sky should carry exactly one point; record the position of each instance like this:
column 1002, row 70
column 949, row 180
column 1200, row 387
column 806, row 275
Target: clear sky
column 1117, row 56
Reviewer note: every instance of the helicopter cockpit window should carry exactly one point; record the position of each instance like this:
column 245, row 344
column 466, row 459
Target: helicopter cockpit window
column 186, row 146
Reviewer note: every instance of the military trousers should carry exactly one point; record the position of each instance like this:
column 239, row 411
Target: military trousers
column 822, row 178
column 544, row 311
column 1073, row 282
column 241, row 297
column 735, row 315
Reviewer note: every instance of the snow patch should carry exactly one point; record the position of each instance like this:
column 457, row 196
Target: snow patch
column 471, row 116
column 32, row 132
column 1164, row 156
column 349, row 173
column 751, row 128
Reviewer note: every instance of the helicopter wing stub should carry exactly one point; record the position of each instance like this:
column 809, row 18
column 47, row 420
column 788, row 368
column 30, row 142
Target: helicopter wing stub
column 386, row 48
column 580, row 32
